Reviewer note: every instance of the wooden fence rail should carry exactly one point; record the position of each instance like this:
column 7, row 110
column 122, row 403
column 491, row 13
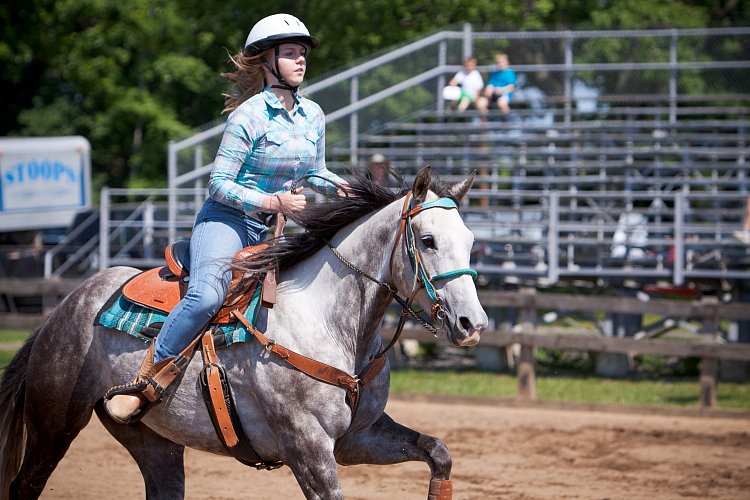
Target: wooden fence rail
column 709, row 353
column 709, row 311
column 37, row 286
column 51, row 291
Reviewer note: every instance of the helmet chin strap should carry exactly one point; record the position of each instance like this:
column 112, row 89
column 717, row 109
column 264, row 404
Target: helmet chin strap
column 281, row 83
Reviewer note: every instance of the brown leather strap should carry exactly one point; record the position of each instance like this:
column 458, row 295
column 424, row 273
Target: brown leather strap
column 280, row 223
column 401, row 227
column 440, row 489
column 268, row 294
column 315, row 369
column 372, row 369
column 216, row 390
column 170, row 371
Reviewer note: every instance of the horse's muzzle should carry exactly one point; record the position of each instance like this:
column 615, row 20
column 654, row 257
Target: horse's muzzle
column 464, row 333
column 472, row 339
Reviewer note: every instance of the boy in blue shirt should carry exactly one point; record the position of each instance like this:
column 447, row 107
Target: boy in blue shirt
column 500, row 86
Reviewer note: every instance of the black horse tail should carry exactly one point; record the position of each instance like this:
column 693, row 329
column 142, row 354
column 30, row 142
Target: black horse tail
column 12, row 429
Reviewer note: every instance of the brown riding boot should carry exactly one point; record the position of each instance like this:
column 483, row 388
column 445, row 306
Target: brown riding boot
column 127, row 403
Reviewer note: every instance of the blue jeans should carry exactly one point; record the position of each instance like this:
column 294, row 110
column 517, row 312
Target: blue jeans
column 219, row 233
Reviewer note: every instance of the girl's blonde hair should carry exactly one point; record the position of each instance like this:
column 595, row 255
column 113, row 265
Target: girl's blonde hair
column 248, row 76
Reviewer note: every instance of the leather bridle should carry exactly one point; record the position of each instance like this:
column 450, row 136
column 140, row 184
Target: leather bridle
column 422, row 278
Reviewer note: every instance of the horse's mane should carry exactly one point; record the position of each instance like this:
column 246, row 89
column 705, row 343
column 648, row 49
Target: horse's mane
column 321, row 221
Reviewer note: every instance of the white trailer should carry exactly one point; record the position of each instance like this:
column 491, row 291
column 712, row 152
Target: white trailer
column 44, row 181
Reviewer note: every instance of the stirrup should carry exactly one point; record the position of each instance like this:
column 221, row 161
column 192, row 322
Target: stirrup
column 152, row 380
column 133, row 389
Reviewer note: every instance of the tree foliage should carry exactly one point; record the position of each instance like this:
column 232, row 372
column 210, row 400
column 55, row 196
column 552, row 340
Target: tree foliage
column 130, row 76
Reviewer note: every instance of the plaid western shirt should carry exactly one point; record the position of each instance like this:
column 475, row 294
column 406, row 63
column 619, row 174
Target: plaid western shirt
column 265, row 149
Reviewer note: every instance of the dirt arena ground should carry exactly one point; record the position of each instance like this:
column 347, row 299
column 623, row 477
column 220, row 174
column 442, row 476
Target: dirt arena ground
column 516, row 452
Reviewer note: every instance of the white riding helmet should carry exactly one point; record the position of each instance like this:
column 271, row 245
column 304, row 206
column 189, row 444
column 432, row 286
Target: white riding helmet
column 276, row 29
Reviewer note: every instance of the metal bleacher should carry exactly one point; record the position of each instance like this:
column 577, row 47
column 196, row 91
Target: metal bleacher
column 623, row 195
column 641, row 180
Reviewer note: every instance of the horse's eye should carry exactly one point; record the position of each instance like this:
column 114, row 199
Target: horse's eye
column 428, row 241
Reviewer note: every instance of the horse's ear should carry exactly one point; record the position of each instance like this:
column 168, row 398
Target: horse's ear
column 421, row 185
column 458, row 191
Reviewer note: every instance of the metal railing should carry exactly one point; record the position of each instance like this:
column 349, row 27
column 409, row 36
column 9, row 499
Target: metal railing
column 78, row 253
column 409, row 79
column 643, row 236
column 135, row 231
column 545, row 237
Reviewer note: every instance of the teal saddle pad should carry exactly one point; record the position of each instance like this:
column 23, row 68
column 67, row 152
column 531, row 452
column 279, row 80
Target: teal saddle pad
column 144, row 322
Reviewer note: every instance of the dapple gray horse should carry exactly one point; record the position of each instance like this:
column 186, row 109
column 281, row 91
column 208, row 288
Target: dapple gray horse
column 325, row 310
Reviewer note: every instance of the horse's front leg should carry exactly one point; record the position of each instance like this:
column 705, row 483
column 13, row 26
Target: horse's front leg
column 308, row 452
column 388, row 442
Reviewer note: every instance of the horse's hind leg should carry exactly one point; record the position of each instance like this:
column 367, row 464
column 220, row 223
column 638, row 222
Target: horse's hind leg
column 388, row 442
column 48, row 437
column 160, row 460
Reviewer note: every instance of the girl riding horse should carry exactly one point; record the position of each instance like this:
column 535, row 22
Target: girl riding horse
column 273, row 137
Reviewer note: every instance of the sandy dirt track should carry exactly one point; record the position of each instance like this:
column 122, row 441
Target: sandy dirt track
column 498, row 452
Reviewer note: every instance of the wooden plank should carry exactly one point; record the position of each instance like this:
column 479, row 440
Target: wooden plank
column 527, row 374
column 38, row 286
column 708, row 378
column 495, row 338
column 626, row 305
column 18, row 321
column 740, row 352
column 588, row 342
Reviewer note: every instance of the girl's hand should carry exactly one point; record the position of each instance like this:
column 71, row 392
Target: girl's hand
column 343, row 191
column 288, row 203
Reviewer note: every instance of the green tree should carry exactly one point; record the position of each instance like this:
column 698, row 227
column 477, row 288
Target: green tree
column 127, row 75
column 130, row 76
